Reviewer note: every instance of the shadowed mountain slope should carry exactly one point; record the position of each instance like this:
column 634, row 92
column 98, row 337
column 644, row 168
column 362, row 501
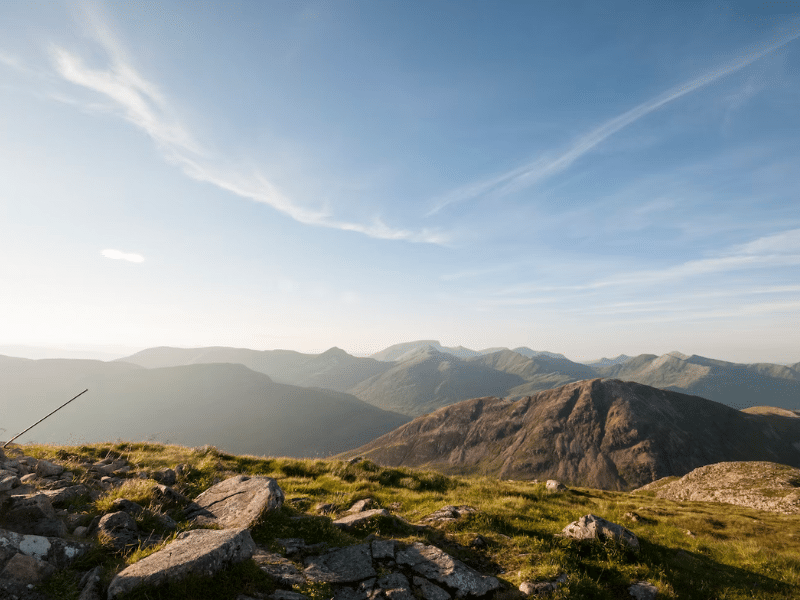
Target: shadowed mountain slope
column 598, row 433
column 334, row 369
column 428, row 379
column 734, row 384
column 227, row 405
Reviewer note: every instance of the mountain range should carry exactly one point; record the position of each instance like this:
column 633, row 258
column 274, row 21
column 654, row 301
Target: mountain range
column 600, row 433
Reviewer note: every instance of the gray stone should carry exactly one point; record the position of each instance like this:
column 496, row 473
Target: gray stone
column 643, row 590
column 90, row 584
column 201, row 552
column 125, row 505
column 168, row 496
column 80, row 531
column 236, row 502
column 361, row 505
column 554, row 486
column 436, row 565
column 324, row 507
column 287, row 595
column 393, row 586
column 429, row 590
column 165, row 476
column 27, row 569
column 449, row 513
column 8, row 482
column 56, row 551
column 382, row 549
column 34, row 515
column 119, row 529
column 538, row 588
column 29, row 478
column 345, row 565
column 65, row 495
column 281, row 570
column 591, row 527
column 353, row 520
column 361, row 592
column 44, row 468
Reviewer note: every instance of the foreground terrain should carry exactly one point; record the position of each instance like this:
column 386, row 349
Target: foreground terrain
column 510, row 529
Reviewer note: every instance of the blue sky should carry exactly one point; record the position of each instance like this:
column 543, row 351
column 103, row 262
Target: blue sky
column 586, row 178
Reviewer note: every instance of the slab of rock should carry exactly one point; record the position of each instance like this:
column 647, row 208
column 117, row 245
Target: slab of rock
column 393, row 586
column 8, row 481
column 432, row 563
column 361, row 505
column 383, row 549
column 56, row 551
column 449, row 513
column 34, row 515
column 353, row 520
column 165, row 476
column 45, row 468
column 592, row 527
column 429, row 590
column 346, row 565
column 27, row 569
column 281, row 570
column 120, row 529
column 643, row 590
column 201, row 552
column 236, row 502
column 65, row 495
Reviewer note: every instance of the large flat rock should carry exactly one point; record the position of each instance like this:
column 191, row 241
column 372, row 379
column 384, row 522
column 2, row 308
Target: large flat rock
column 201, row 552
column 346, row 565
column 236, row 502
column 56, row 551
column 436, row 565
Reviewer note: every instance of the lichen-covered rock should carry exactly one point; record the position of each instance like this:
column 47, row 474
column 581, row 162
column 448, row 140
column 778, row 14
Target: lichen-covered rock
column 434, row 564
column 555, row 486
column 27, row 569
column 592, row 527
column 346, row 565
column 429, row 590
column 45, row 468
column 281, row 570
column 201, row 552
column 643, row 590
column 237, row 502
column 356, row 519
column 56, row 551
column 449, row 513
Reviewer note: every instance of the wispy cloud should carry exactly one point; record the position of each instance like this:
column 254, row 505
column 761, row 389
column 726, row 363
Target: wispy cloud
column 141, row 103
column 549, row 165
column 119, row 255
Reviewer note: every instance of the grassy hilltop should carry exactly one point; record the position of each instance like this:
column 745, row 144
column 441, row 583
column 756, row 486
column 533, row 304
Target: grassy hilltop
column 732, row 552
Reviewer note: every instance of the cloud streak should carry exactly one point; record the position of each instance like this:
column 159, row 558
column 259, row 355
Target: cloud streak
column 547, row 166
column 142, row 104
column 119, row 255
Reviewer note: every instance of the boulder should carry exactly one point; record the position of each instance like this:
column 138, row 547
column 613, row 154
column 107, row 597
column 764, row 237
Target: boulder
column 429, row 590
column 346, row 565
column 90, row 584
column 65, row 495
column 432, row 563
column 8, row 481
column 351, row 521
column 393, row 586
column 56, row 551
column 27, row 569
column 45, row 468
column 591, row 527
column 361, row 505
column 165, row 476
column 643, row 590
column 555, row 486
column 201, row 552
column 449, row 513
column 237, row 502
column 119, row 529
column 279, row 569
column 34, row 515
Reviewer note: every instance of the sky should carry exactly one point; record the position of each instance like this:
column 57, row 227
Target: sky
column 584, row 178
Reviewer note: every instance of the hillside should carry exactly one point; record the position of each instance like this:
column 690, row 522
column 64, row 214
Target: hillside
column 734, row 384
column 428, row 379
column 227, row 405
column 599, row 433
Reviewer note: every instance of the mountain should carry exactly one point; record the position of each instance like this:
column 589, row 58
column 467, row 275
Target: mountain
column 597, row 433
column 226, row 405
column 737, row 385
column 397, row 351
column 609, row 362
column 525, row 351
column 334, row 369
column 427, row 379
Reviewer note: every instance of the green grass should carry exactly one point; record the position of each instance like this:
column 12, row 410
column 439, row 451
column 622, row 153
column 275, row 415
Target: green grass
column 736, row 553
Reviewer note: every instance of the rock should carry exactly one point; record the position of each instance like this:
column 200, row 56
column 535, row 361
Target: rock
column 56, row 551
column 324, row 507
column 478, row 542
column 281, row 570
column 351, row 521
column 382, row 549
column 66, row 494
column 125, row 505
column 165, row 476
column 447, row 514
column 236, row 502
column 90, row 584
column 429, row 590
column 201, row 552
column 8, row 482
column 29, row 478
column 346, row 565
column 555, row 486
column 27, row 569
column 34, row 515
column 434, row 564
column 287, row 595
column 45, row 468
column 361, row 505
column 643, row 590
column 590, row 527
column 80, row 531
column 168, row 496
column 119, row 529
column 393, row 586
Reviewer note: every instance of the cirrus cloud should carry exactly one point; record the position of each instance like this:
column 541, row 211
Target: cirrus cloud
column 119, row 255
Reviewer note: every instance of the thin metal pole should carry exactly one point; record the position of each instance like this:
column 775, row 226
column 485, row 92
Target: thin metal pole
column 43, row 418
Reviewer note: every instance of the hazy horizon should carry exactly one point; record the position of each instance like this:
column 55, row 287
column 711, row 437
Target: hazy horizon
column 579, row 178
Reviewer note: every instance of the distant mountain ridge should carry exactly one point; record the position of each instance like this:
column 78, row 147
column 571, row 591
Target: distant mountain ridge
column 598, row 433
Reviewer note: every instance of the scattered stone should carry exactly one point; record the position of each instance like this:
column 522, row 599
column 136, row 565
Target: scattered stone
column 168, row 496
column 632, row 516
column 29, row 478
column 555, row 486
column 541, row 588
column 90, row 584
column 202, row 552
column 54, row 550
column 479, row 542
column 590, row 527
column 434, row 564
column 691, row 534
column 80, row 532
column 361, row 505
column 281, row 570
column 429, row 590
column 236, row 502
column 346, row 565
column 325, row 508
column 165, row 476
column 393, row 586
column 643, row 590
column 287, row 595
column 120, row 530
column 125, row 505
column 34, row 515
column 351, row 521
column 27, row 569
column 382, row 549
column 45, row 468
column 447, row 514
column 9, row 481
column 65, row 495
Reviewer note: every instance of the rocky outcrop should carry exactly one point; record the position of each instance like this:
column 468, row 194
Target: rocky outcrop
column 591, row 527
column 435, row 565
column 236, row 502
column 200, row 552
column 761, row 485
